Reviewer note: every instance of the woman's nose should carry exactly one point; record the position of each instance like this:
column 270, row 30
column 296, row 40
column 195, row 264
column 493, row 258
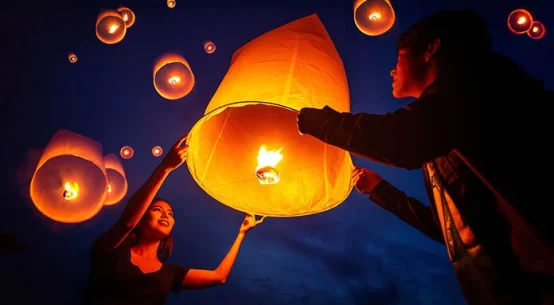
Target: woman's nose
column 393, row 72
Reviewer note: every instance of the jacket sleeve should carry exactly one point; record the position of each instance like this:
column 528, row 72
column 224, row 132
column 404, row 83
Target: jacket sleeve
column 408, row 209
column 406, row 138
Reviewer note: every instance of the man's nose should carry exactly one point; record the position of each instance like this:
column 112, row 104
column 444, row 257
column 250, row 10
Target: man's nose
column 393, row 72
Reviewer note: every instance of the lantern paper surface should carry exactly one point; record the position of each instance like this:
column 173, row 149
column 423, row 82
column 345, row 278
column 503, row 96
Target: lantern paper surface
column 117, row 182
column 269, row 80
column 70, row 184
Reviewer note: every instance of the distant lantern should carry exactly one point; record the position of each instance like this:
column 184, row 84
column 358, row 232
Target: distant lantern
column 171, row 3
column 157, row 151
column 117, row 182
column 246, row 151
column 519, row 21
column 173, row 78
column 373, row 17
column 209, row 47
column 72, row 57
column 70, row 183
column 127, row 15
column 537, row 30
column 110, row 27
column 126, row 152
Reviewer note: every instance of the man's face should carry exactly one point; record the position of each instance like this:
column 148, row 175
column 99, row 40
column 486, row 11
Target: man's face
column 407, row 75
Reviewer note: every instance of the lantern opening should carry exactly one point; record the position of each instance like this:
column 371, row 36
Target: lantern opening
column 71, row 191
column 267, row 161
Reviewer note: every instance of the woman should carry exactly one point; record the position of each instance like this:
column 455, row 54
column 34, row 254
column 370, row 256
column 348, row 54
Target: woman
column 127, row 261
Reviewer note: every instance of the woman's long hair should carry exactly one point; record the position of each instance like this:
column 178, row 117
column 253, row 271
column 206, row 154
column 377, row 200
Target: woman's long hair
column 166, row 245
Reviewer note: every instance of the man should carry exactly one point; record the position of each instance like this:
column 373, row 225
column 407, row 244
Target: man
column 478, row 131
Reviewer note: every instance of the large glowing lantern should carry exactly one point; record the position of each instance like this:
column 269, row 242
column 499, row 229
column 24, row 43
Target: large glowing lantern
column 110, row 27
column 373, row 17
column 247, row 153
column 127, row 15
column 519, row 21
column 537, row 30
column 117, row 183
column 173, row 78
column 70, row 184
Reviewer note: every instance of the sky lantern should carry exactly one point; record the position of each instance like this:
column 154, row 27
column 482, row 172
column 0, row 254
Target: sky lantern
column 110, row 27
column 373, row 17
column 246, row 151
column 537, row 30
column 126, row 152
column 72, row 57
column 127, row 15
column 173, row 78
column 70, row 184
column 520, row 21
column 117, row 182
column 209, row 47
column 157, row 151
column 171, row 3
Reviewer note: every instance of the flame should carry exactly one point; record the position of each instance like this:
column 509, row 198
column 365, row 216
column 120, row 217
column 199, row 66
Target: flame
column 109, row 188
column 374, row 16
column 521, row 20
column 125, row 17
column 535, row 29
column 267, row 161
column 71, row 191
column 113, row 28
column 174, row 80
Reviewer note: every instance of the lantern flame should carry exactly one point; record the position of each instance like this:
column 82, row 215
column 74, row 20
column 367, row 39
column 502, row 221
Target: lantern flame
column 521, row 20
column 374, row 16
column 109, row 188
column 113, row 28
column 174, row 80
column 71, row 191
column 267, row 161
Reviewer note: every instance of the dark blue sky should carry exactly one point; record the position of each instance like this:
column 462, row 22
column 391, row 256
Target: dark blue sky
column 354, row 254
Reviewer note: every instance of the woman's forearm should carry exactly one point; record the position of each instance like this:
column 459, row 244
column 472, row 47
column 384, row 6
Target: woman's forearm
column 227, row 263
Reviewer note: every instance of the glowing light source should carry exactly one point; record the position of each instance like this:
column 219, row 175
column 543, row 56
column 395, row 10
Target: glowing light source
column 519, row 21
column 71, row 190
column 126, row 152
column 537, row 30
column 209, row 47
column 171, row 3
column 173, row 78
column 267, row 161
column 117, row 182
column 157, row 151
column 72, row 57
column 373, row 17
column 110, row 27
column 127, row 15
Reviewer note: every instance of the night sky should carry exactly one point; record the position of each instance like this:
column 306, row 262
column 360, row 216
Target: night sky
column 356, row 253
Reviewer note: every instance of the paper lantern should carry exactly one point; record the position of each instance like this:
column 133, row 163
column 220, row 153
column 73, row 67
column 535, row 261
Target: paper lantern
column 209, row 47
column 537, row 30
column 72, row 57
column 171, row 3
column 126, row 152
column 247, row 153
column 157, row 151
column 117, row 182
column 127, row 15
column 519, row 21
column 173, row 78
column 70, row 183
column 110, row 27
column 373, row 17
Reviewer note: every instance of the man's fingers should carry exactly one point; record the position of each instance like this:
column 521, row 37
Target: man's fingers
column 181, row 140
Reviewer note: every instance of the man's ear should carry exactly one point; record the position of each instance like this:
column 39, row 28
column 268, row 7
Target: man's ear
column 432, row 49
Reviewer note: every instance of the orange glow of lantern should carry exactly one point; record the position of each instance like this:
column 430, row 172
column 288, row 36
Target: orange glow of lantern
column 519, row 21
column 72, row 57
column 173, row 78
column 157, row 151
column 126, row 152
column 537, row 30
column 117, row 182
column 373, row 17
column 69, row 184
column 246, row 151
column 171, row 3
column 110, row 27
column 209, row 47
column 127, row 15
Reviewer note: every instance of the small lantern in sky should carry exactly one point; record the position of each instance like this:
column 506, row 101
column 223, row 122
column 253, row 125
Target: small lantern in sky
column 537, row 30
column 126, row 152
column 157, row 151
column 173, row 77
column 519, row 21
column 373, row 17
column 110, row 27
column 209, row 47
column 72, row 57
column 171, row 3
column 127, row 15
column 117, row 182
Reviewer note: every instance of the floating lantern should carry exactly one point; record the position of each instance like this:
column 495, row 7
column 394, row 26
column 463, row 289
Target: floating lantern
column 157, row 151
column 117, row 182
column 173, row 78
column 126, row 152
column 72, row 57
column 69, row 184
column 110, row 27
column 171, row 3
column 537, row 30
column 209, row 47
column 127, row 15
column 247, row 153
column 519, row 21
column 373, row 17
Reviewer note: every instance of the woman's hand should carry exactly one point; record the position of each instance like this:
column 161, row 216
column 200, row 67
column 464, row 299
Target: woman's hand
column 176, row 155
column 249, row 222
column 365, row 180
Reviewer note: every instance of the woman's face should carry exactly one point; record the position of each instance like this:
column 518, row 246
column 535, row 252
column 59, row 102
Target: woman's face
column 158, row 220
